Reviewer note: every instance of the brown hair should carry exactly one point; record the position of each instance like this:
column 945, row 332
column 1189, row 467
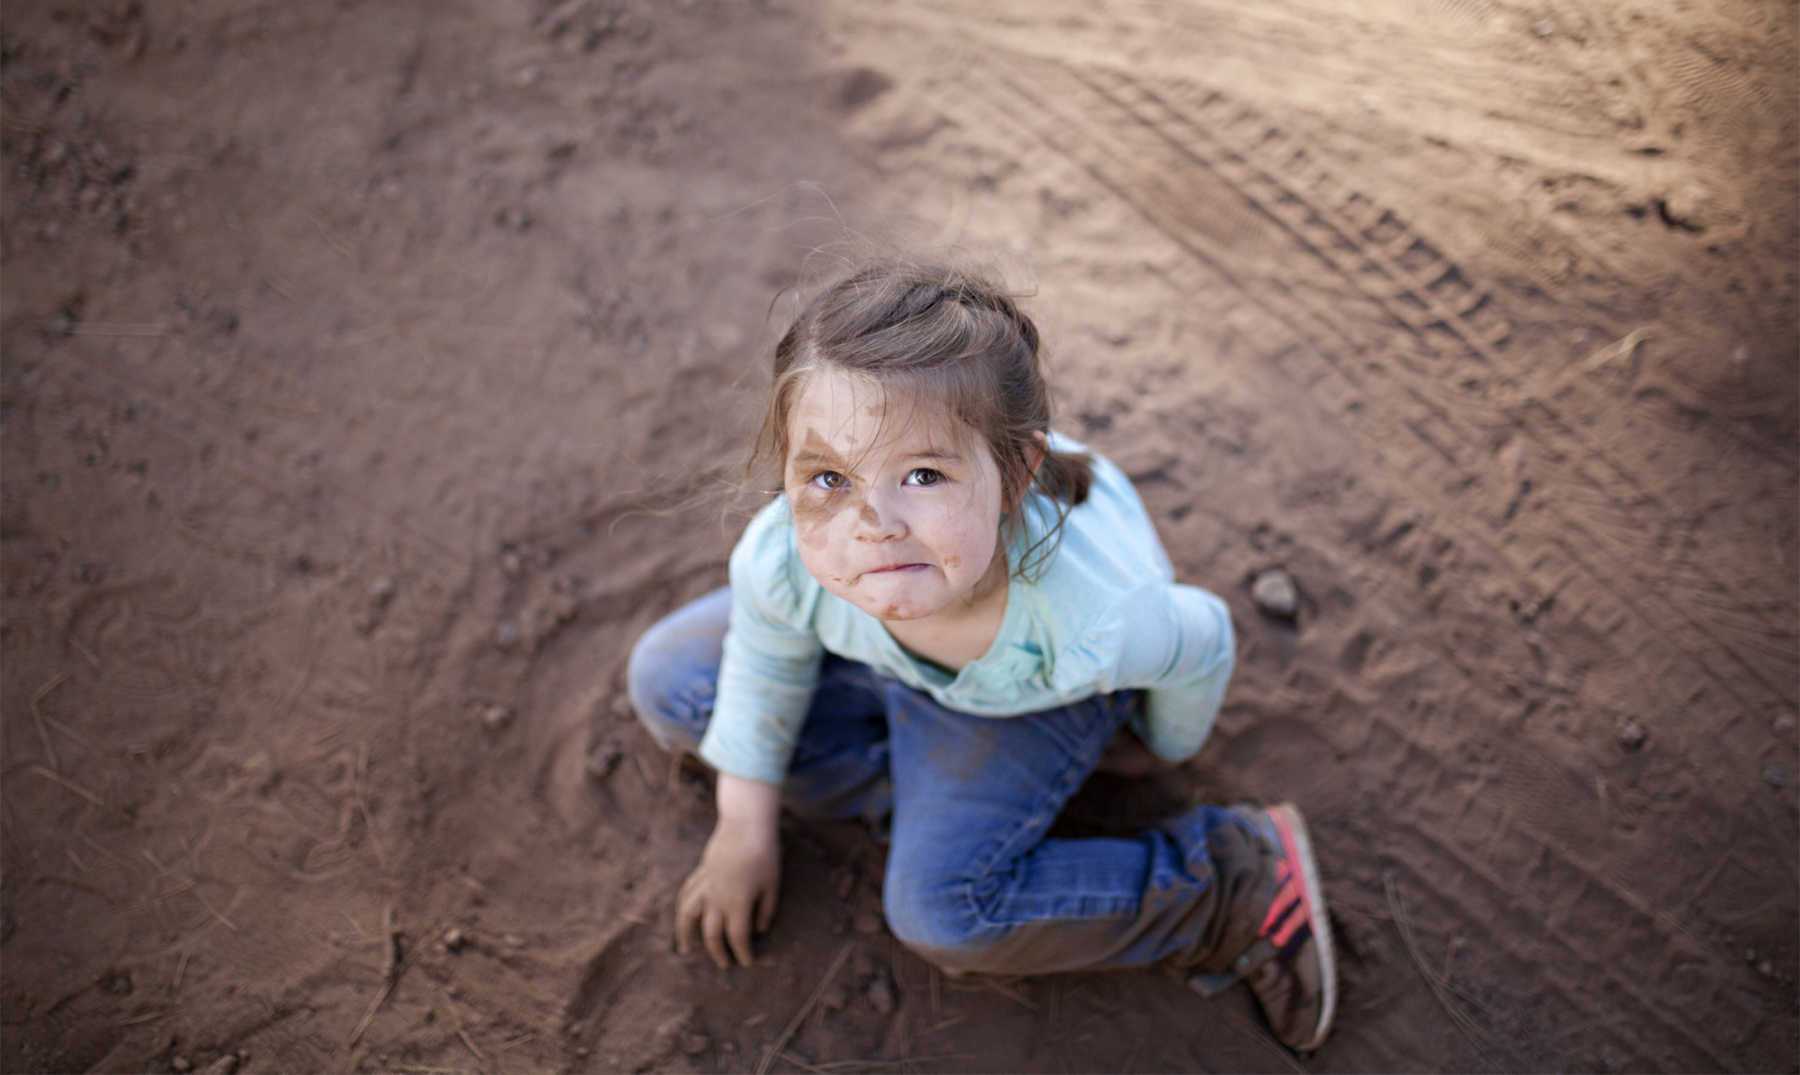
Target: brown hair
column 947, row 335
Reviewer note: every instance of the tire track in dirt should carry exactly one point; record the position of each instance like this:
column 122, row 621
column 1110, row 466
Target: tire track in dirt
column 1657, row 923
column 1431, row 298
column 1613, row 533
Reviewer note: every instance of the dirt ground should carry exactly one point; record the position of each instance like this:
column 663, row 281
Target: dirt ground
column 364, row 364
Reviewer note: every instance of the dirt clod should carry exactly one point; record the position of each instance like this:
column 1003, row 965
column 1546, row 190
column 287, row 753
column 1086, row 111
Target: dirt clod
column 1275, row 593
column 881, row 994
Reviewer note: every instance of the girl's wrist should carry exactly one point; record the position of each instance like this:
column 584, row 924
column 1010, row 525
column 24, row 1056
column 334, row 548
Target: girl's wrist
column 746, row 805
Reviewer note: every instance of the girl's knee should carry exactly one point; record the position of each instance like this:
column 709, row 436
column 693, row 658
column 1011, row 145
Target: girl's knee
column 936, row 918
column 669, row 688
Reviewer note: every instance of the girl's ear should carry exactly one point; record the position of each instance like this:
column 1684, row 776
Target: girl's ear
column 1035, row 452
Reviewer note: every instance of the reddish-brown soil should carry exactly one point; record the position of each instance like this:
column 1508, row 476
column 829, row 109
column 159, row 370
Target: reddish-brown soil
column 362, row 362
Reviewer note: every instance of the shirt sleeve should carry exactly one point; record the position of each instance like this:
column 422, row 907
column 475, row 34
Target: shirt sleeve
column 771, row 659
column 1177, row 643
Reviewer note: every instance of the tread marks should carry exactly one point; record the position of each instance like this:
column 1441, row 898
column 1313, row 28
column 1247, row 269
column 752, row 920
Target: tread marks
column 1438, row 328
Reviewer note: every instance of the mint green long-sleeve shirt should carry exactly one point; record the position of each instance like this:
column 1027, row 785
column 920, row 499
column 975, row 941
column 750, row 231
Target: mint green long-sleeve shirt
column 1104, row 615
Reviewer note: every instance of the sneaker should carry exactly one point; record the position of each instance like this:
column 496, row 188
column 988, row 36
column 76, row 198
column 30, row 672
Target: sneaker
column 1288, row 964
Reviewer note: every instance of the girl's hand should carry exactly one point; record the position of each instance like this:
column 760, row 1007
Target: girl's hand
column 1127, row 755
column 738, row 880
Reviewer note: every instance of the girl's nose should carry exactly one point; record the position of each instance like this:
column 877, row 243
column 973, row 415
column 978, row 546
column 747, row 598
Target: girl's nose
column 878, row 519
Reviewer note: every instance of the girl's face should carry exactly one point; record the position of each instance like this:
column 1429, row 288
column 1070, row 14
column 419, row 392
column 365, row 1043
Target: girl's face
column 895, row 512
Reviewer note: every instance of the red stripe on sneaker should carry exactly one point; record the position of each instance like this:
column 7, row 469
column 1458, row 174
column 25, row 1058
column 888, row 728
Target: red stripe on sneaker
column 1285, row 897
column 1292, row 848
column 1287, row 929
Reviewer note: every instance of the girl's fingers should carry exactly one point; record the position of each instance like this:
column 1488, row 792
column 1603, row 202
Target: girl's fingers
column 738, row 932
column 765, row 907
column 714, row 927
column 685, row 913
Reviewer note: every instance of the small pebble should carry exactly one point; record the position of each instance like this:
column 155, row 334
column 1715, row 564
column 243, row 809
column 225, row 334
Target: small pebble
column 381, row 591
column 881, row 995
column 1275, row 593
column 506, row 636
column 454, row 940
column 510, row 564
column 694, row 1043
column 496, row 717
column 1776, row 775
column 181, row 1063
column 1632, row 736
column 1766, row 968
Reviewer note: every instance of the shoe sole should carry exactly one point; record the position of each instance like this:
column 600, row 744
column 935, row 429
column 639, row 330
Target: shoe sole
column 1298, row 846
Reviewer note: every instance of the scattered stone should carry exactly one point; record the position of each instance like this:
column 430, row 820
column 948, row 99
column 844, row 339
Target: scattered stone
column 181, row 1063
column 506, row 635
column 1784, row 726
column 867, row 922
column 511, row 564
column 881, row 995
column 496, row 717
column 693, row 1043
column 604, row 761
column 381, row 591
column 454, row 940
column 513, row 940
column 1766, row 968
column 1275, row 593
column 1776, row 775
column 1632, row 736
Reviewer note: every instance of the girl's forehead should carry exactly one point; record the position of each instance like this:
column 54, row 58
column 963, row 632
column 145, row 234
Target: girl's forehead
column 850, row 416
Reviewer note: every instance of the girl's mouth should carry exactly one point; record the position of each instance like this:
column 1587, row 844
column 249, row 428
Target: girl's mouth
column 892, row 568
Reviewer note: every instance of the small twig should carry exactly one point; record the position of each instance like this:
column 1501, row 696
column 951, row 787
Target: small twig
column 805, row 1010
column 643, row 772
column 390, row 974
column 461, row 1031
column 86, row 653
column 180, row 969
column 1457, row 1015
column 37, row 715
column 58, row 778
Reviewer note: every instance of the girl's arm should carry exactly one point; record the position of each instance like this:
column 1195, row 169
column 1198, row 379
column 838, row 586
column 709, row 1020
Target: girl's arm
column 1176, row 642
column 739, row 877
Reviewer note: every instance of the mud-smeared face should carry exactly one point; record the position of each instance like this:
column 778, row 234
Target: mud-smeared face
column 895, row 512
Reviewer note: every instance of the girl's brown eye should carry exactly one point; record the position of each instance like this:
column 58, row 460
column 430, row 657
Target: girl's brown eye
column 829, row 480
column 924, row 476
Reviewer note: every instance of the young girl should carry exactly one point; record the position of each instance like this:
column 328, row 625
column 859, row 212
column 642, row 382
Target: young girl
column 948, row 614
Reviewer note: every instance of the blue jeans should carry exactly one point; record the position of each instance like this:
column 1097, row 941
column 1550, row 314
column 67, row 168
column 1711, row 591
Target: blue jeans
column 972, row 882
